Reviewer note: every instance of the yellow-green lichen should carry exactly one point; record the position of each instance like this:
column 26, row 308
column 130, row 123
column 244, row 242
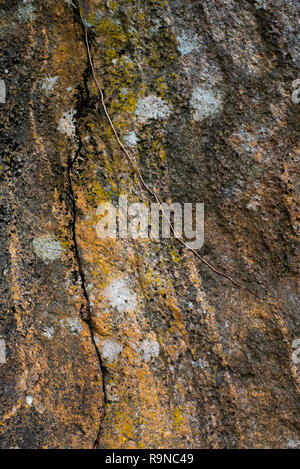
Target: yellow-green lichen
column 177, row 417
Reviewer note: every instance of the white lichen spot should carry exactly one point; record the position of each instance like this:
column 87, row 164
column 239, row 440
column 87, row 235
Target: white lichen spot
column 295, row 444
column 72, row 325
column 205, row 103
column 2, row 352
column 124, row 91
column 2, row 92
column 66, row 124
column 149, row 349
column 110, row 392
column 152, row 107
column 131, row 139
column 120, row 296
column 111, row 349
column 97, row 340
column 187, row 42
column 26, row 12
column 49, row 332
column 261, row 4
column 48, row 84
column 254, row 203
column 200, row 363
column 70, row 3
column 47, row 247
column 29, row 400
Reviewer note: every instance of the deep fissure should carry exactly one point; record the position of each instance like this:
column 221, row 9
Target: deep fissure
column 86, row 315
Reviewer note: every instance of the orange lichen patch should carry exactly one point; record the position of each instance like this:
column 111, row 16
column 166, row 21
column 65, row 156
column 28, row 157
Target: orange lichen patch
column 141, row 416
column 179, row 321
column 50, row 369
column 94, row 248
column 65, row 62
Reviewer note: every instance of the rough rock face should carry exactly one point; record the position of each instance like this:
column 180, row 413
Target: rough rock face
column 176, row 355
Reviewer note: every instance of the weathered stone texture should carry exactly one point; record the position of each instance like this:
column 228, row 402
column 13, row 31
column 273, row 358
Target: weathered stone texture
column 200, row 92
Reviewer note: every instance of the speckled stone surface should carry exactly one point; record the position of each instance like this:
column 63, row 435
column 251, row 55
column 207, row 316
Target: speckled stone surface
column 177, row 356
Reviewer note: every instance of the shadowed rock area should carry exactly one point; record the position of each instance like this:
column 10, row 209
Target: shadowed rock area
column 137, row 340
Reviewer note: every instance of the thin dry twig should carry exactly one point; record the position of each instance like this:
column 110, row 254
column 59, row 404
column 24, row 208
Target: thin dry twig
column 134, row 165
